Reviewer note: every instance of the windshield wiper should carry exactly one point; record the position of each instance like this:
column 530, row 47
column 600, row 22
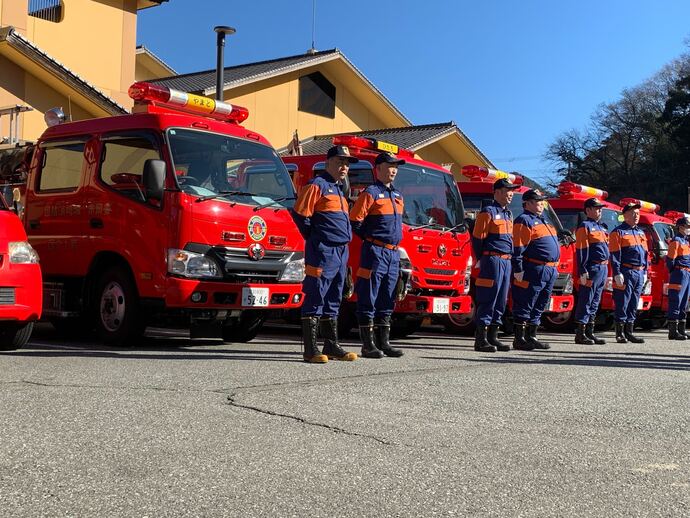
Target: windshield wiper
column 223, row 194
column 273, row 201
column 434, row 224
column 454, row 227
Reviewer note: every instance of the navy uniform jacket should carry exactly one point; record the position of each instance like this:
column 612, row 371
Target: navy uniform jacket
column 534, row 239
column 321, row 212
column 591, row 242
column 628, row 246
column 377, row 214
column 678, row 253
column 493, row 231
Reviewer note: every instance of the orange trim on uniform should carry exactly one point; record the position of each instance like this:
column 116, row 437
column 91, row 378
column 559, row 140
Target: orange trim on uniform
column 381, row 243
column 630, row 240
column 588, row 284
column 481, row 225
column 675, row 287
column 522, row 234
column 484, row 283
column 597, row 236
column 501, row 226
column 543, row 263
column 614, row 242
column 360, row 210
column 618, row 286
column 581, row 240
column 312, row 271
column 497, row 254
column 543, row 230
column 306, row 201
column 331, row 203
column 381, row 207
column 363, row 273
column 521, row 284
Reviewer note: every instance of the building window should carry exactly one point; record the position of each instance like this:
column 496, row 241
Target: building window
column 316, row 95
column 50, row 10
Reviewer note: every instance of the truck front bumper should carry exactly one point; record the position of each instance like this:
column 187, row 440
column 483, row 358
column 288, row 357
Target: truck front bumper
column 427, row 305
column 21, row 292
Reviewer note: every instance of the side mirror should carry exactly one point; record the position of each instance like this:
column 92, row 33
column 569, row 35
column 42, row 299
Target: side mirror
column 154, row 179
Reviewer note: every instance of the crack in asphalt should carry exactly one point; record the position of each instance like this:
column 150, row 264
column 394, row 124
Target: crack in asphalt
column 335, row 429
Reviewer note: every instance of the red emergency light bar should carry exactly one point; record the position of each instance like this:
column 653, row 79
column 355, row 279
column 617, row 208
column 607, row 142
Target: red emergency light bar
column 373, row 144
column 182, row 101
column 675, row 215
column 480, row 174
column 576, row 188
column 644, row 205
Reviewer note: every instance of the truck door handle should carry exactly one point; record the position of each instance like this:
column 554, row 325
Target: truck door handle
column 96, row 223
column 34, row 223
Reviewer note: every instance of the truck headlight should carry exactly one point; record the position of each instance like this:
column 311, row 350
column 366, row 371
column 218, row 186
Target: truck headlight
column 294, row 271
column 21, row 252
column 568, row 286
column 192, row 265
column 468, row 276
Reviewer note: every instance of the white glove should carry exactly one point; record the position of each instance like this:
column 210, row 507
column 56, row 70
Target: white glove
column 618, row 280
column 584, row 278
column 518, row 276
column 476, row 265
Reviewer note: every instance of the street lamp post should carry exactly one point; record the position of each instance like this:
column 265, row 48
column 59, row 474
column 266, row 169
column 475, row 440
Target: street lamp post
column 221, row 31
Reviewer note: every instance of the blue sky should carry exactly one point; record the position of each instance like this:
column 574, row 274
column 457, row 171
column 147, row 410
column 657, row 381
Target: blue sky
column 513, row 75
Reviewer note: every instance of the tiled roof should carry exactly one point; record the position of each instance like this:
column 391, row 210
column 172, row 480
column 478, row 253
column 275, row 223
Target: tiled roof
column 203, row 81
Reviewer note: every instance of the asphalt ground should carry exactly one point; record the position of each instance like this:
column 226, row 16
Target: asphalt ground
column 173, row 427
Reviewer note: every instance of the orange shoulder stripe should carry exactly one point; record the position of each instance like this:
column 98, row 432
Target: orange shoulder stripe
column 306, row 201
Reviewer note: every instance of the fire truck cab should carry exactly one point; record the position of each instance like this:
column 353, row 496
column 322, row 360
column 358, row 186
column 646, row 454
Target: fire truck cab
column 435, row 248
column 20, row 282
column 569, row 205
column 175, row 215
column 478, row 193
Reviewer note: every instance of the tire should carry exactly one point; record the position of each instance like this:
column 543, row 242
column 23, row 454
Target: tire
column 460, row 323
column 405, row 326
column 563, row 322
column 245, row 328
column 116, row 312
column 14, row 336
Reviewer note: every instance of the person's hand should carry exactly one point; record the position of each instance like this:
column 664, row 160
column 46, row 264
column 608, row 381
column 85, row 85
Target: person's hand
column 618, row 280
column 476, row 265
column 518, row 276
column 584, row 278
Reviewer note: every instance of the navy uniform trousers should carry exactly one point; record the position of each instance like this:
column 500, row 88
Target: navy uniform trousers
column 626, row 297
column 589, row 295
column 491, row 289
column 326, row 269
column 531, row 296
column 376, row 280
column 678, row 292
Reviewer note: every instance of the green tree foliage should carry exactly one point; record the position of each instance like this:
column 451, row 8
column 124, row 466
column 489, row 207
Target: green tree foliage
column 637, row 146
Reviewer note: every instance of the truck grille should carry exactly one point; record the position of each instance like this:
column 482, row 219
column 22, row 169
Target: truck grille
column 439, row 271
column 238, row 267
column 561, row 281
column 6, row 296
column 435, row 282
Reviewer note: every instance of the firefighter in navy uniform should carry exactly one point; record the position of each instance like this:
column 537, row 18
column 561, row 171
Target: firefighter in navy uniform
column 678, row 262
column 492, row 243
column 377, row 218
column 321, row 214
column 535, row 267
column 592, row 253
column 629, row 263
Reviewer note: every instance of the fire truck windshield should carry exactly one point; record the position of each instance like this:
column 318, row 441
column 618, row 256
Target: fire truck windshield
column 475, row 202
column 215, row 166
column 571, row 218
column 663, row 234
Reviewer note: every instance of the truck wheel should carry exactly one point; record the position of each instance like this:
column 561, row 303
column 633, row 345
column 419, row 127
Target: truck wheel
column 460, row 323
column 118, row 318
column 559, row 322
column 245, row 328
column 14, row 336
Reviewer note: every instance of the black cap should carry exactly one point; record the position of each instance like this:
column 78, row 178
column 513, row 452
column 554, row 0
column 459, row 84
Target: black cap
column 685, row 221
column 388, row 158
column 533, row 195
column 630, row 206
column 504, row 183
column 591, row 203
column 341, row 152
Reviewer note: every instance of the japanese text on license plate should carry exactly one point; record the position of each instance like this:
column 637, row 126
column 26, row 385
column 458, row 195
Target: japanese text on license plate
column 253, row 297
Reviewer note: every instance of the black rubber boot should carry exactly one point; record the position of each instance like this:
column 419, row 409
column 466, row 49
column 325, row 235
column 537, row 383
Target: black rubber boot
column 366, row 335
column 480, row 342
column 382, row 332
column 493, row 339
column 532, row 338
column 620, row 333
column 628, row 330
column 519, row 342
column 673, row 333
column 311, row 353
column 580, row 336
column 331, row 347
column 589, row 333
column 681, row 328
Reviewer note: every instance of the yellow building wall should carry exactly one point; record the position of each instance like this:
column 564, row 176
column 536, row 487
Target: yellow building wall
column 273, row 112
column 451, row 150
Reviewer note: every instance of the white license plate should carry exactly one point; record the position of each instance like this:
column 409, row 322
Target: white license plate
column 441, row 305
column 254, row 297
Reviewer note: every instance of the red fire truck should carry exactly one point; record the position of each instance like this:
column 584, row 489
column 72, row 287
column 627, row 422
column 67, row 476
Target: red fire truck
column 20, row 282
column 477, row 193
column 435, row 248
column 569, row 205
column 174, row 215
